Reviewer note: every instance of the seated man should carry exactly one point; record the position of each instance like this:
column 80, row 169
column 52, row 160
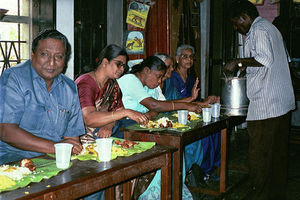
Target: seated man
column 39, row 105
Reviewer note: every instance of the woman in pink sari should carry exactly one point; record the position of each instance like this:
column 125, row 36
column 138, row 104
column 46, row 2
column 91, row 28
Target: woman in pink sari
column 100, row 95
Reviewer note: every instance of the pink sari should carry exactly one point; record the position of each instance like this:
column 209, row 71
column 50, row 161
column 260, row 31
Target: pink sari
column 106, row 99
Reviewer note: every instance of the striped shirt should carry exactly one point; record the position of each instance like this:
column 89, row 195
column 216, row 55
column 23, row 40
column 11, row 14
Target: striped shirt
column 269, row 88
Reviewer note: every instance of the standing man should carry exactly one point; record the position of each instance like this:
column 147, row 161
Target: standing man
column 39, row 105
column 270, row 91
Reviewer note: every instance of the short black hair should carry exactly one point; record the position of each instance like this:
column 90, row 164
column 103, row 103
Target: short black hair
column 54, row 34
column 239, row 7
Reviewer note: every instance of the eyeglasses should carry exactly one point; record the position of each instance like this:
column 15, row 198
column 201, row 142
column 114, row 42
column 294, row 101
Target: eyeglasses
column 168, row 66
column 120, row 64
column 186, row 56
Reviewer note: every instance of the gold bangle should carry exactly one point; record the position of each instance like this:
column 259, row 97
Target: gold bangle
column 173, row 105
column 112, row 115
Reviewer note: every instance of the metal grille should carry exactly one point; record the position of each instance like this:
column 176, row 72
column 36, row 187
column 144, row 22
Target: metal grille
column 9, row 53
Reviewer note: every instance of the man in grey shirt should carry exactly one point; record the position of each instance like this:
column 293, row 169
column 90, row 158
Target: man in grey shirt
column 270, row 92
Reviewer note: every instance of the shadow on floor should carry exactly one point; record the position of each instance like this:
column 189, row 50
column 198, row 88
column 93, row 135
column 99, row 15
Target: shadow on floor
column 237, row 180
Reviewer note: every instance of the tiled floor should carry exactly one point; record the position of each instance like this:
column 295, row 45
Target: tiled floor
column 238, row 157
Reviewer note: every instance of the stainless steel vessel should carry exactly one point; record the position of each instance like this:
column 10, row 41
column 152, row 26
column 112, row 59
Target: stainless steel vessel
column 234, row 101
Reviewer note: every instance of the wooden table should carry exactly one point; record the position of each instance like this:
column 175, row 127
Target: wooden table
column 180, row 140
column 86, row 177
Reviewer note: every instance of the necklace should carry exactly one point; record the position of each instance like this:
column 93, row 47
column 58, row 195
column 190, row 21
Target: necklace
column 97, row 80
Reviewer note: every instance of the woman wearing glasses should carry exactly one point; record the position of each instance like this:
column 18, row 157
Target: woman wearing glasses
column 184, row 83
column 180, row 77
column 100, row 95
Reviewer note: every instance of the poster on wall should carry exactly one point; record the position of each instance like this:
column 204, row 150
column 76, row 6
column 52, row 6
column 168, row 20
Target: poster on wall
column 131, row 63
column 137, row 14
column 134, row 42
column 257, row 2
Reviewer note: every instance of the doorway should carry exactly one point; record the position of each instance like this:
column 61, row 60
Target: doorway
column 90, row 29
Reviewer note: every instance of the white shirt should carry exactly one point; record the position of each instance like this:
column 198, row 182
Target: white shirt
column 269, row 88
column 161, row 96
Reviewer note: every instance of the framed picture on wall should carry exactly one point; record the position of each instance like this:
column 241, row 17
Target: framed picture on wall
column 257, row 2
column 137, row 14
column 134, row 42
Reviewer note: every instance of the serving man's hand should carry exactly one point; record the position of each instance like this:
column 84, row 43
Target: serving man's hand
column 231, row 66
